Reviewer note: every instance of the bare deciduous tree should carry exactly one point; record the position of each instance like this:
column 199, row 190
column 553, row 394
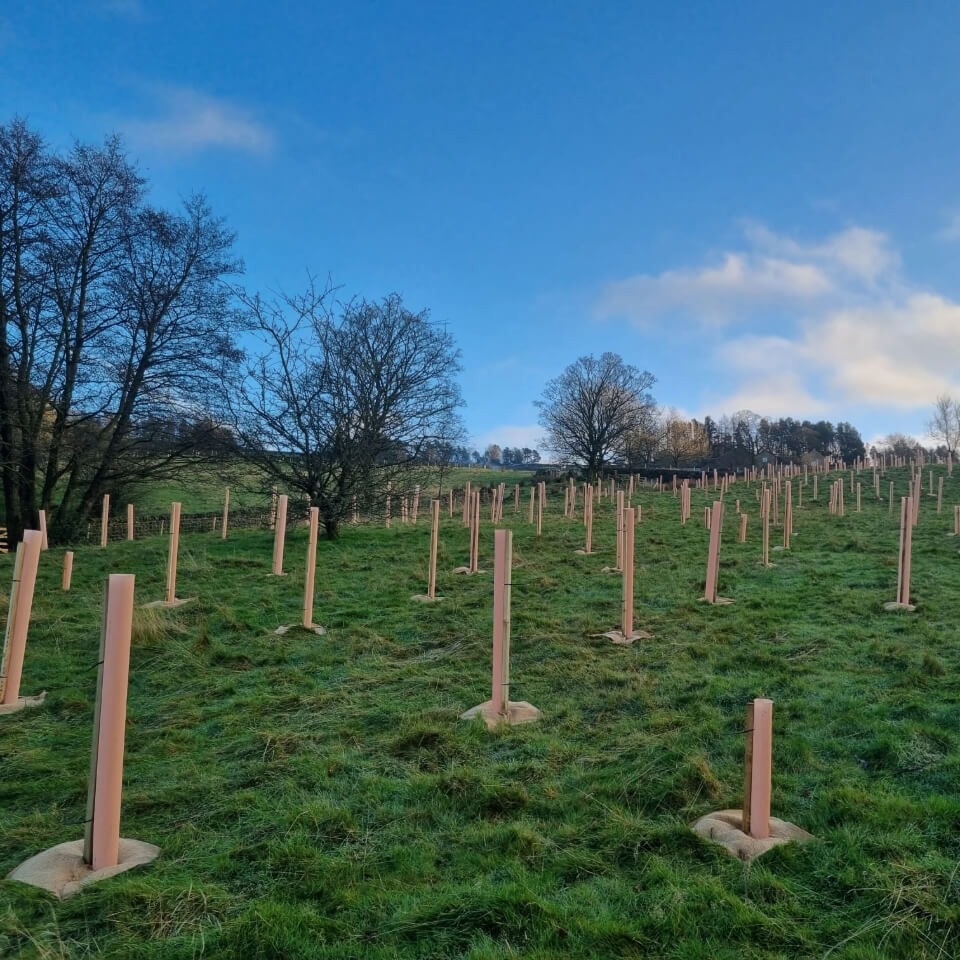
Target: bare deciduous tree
column 899, row 444
column 643, row 442
column 343, row 399
column 590, row 410
column 114, row 326
column 682, row 440
column 944, row 422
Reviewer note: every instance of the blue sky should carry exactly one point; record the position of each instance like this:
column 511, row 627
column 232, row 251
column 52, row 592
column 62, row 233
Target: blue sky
column 760, row 203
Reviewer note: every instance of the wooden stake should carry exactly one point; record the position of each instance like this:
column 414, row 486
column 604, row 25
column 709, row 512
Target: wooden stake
column 18, row 617
column 475, row 535
column 502, row 588
column 105, row 520
column 67, row 575
column 758, row 769
column 434, row 534
column 713, row 552
column 626, row 562
column 906, row 543
column 765, row 516
column 43, row 530
column 310, row 577
column 787, row 514
column 589, row 509
column 129, row 521
column 172, row 553
column 102, row 835
column 279, row 536
column 226, row 513
column 620, row 528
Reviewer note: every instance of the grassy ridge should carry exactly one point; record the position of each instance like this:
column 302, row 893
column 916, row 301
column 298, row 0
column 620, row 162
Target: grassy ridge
column 317, row 796
column 200, row 488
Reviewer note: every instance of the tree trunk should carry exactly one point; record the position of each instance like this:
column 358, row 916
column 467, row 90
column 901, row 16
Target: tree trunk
column 331, row 527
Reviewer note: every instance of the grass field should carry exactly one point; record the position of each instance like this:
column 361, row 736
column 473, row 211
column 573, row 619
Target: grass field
column 199, row 488
column 318, row 797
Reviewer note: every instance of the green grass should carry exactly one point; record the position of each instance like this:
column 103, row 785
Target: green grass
column 200, row 487
column 318, row 797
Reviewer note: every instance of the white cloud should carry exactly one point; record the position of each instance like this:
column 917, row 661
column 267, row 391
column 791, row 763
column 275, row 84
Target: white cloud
column 894, row 355
column 773, row 272
column 891, row 354
column 850, row 330
column 189, row 121
column 773, row 395
column 714, row 293
column 856, row 252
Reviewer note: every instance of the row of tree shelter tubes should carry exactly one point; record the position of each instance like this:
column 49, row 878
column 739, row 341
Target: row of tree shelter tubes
column 101, row 844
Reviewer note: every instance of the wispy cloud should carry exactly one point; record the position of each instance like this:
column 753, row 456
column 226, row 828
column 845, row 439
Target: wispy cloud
column 849, row 328
column 187, row 121
column 770, row 271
